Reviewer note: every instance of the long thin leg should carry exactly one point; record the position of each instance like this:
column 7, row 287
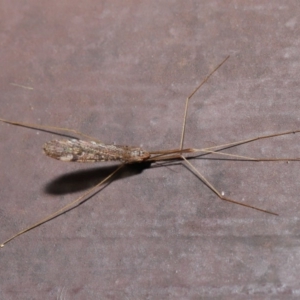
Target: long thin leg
column 175, row 153
column 191, row 95
column 215, row 149
column 49, row 129
column 67, row 207
column 228, row 145
column 200, row 176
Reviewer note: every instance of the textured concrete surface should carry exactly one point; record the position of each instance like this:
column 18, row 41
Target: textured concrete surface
column 120, row 71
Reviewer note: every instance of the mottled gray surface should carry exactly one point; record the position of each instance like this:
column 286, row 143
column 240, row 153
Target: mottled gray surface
column 120, row 71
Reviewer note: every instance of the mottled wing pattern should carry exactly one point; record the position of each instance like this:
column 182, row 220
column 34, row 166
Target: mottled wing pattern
column 84, row 151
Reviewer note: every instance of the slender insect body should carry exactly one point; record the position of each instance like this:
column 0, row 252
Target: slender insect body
column 85, row 151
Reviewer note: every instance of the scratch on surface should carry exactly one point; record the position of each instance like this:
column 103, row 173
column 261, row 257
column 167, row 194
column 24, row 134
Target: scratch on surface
column 62, row 294
column 22, row 86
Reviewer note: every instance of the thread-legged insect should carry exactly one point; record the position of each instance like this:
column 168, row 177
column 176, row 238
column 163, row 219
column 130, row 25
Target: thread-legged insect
column 94, row 151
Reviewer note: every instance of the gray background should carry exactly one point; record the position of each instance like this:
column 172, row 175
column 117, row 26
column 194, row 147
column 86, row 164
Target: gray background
column 120, row 71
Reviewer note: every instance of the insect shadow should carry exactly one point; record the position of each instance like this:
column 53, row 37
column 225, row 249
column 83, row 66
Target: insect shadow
column 85, row 179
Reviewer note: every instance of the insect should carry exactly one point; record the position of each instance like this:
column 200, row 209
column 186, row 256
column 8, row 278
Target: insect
column 88, row 150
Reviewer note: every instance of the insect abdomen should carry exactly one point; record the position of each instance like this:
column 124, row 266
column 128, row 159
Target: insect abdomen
column 84, row 151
